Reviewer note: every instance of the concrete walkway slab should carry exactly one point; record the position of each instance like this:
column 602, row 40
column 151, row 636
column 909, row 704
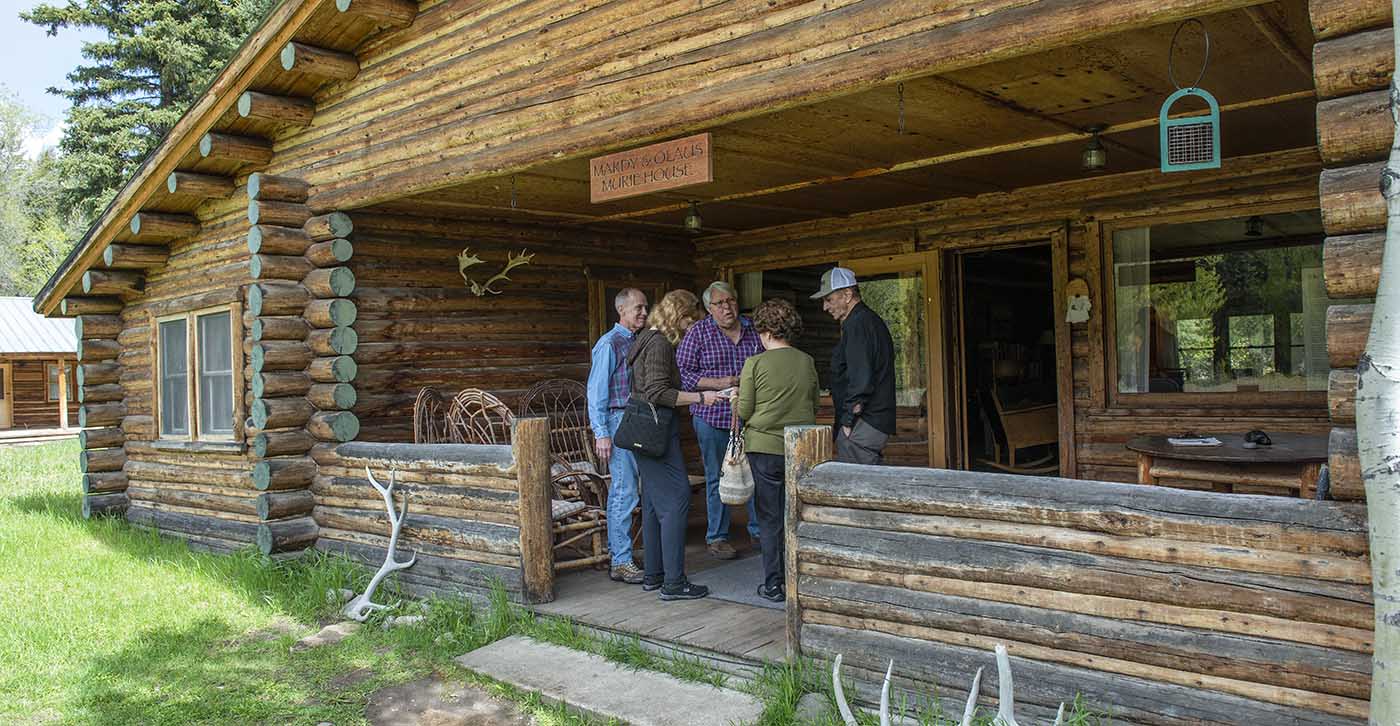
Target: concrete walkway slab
column 596, row 686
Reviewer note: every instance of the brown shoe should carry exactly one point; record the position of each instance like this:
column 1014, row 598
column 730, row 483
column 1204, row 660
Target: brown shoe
column 627, row 573
column 720, row 549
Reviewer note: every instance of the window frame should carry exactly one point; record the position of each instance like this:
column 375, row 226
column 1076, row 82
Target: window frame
column 1223, row 400
column 192, row 363
column 63, row 382
column 601, row 313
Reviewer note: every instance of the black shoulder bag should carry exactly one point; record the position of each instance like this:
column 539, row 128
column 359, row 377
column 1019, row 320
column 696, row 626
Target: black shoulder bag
column 644, row 427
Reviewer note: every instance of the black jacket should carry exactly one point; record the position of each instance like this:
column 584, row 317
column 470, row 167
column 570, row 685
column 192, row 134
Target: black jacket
column 862, row 371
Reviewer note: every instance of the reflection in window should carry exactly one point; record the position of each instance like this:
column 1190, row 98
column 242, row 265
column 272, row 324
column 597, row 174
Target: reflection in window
column 1209, row 307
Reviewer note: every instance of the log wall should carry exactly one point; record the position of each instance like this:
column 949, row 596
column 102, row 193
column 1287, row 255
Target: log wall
column 30, row 407
column 1167, row 607
column 1353, row 62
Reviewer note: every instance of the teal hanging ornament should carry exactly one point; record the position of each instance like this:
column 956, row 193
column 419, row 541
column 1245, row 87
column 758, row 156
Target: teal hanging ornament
column 1190, row 142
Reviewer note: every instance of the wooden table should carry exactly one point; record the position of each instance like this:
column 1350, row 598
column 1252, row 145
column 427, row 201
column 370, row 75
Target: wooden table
column 1291, row 463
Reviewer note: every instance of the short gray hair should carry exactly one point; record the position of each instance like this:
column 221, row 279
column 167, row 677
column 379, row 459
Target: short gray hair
column 720, row 285
column 626, row 294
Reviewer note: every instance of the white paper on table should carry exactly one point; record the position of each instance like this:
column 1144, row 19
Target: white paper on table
column 1207, row 441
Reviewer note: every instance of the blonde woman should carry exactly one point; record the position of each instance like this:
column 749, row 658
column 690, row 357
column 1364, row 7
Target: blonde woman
column 665, row 488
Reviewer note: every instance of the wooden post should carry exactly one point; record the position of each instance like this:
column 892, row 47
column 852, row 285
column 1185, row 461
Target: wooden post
column 530, row 444
column 805, row 447
column 62, row 393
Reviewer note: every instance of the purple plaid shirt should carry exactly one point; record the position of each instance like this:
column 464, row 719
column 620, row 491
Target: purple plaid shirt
column 706, row 352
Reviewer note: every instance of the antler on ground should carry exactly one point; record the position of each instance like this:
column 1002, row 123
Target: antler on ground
column 361, row 607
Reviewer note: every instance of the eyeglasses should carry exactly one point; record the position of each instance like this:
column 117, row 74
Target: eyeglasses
column 727, row 302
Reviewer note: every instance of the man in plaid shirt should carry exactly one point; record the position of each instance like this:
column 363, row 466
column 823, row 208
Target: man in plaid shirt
column 710, row 358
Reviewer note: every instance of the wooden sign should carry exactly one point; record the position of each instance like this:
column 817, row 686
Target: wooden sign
column 655, row 168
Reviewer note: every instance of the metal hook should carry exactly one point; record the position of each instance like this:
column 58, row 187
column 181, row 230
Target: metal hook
column 900, row 90
column 1171, row 54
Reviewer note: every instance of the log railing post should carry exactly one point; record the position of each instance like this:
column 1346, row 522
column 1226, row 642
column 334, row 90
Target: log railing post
column 804, row 448
column 530, row 444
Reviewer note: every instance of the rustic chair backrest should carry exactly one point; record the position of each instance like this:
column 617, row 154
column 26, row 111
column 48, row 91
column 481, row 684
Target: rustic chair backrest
column 477, row 417
column 430, row 417
column 565, row 403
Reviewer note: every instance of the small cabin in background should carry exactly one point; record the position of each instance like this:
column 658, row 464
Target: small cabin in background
column 37, row 359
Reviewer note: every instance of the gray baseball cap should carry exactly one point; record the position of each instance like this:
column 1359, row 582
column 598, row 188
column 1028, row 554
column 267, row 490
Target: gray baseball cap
column 837, row 278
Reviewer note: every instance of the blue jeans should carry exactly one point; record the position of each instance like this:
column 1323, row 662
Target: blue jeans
column 622, row 497
column 713, row 442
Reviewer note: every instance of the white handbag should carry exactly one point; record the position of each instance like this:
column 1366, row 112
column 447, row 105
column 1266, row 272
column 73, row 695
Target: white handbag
column 735, row 477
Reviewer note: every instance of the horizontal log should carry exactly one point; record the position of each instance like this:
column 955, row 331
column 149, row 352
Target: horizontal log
column 329, row 226
column 279, row 384
column 248, row 150
column 203, row 186
column 333, row 341
column 1351, row 264
column 186, row 473
column 92, row 351
column 288, row 535
column 286, row 110
column 278, row 267
column 389, row 13
column 291, row 442
column 330, row 282
column 113, row 282
column 464, row 500
column 101, row 482
column 277, row 297
column 280, row 355
column 101, row 438
column 278, row 413
column 1344, row 465
column 188, row 523
column 97, row 326
column 134, row 257
column 274, row 240
column 281, row 214
column 92, row 415
column 330, row 312
column 1331, row 18
column 340, row 369
column 279, row 505
column 464, row 459
column 1348, row 327
column 444, row 532
column 104, row 393
column 279, row 327
column 330, row 253
column 1354, row 63
column 334, row 426
column 159, row 225
column 104, row 505
column 137, row 426
column 96, row 374
column 459, row 573
column 1351, row 199
column 332, row 396
column 209, row 498
column 268, row 187
column 292, row 472
column 74, row 306
column 1354, row 128
column 1341, row 396
column 319, row 62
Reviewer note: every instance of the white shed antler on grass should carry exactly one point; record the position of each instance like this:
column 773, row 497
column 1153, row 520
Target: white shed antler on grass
column 1005, row 709
column 361, row 607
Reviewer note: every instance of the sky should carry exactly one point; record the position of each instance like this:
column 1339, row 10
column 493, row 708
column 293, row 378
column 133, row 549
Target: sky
column 31, row 61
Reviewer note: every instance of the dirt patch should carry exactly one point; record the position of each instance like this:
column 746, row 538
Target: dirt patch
column 351, row 679
column 279, row 627
column 430, row 702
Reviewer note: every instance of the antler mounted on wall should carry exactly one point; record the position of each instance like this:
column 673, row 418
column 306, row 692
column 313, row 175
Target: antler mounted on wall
column 467, row 259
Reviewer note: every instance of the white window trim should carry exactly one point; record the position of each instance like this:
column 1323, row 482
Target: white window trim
column 192, row 376
column 63, row 382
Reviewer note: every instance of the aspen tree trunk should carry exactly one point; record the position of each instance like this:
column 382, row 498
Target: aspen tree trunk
column 1378, row 438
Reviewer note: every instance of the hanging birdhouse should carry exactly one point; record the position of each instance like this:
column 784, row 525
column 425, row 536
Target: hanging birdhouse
column 1192, row 141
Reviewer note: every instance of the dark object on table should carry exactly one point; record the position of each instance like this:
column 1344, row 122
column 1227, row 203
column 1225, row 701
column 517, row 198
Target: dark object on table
column 1258, row 437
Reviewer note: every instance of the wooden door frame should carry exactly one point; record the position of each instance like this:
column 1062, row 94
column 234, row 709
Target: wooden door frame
column 930, row 265
column 7, row 408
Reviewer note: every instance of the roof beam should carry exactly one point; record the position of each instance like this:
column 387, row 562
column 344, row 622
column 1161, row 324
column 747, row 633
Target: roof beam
column 134, row 257
column 284, row 110
column 228, row 147
column 157, row 226
column 319, row 62
column 203, row 186
column 389, row 13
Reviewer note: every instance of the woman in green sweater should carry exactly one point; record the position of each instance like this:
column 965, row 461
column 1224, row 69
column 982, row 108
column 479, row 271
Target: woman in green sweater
column 777, row 388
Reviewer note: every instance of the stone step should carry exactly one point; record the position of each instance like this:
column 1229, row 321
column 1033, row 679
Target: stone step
column 598, row 687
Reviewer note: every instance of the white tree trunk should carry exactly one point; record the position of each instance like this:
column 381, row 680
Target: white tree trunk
column 1378, row 439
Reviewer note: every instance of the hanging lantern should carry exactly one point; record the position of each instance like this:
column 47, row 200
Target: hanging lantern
column 1095, row 156
column 692, row 220
column 1190, row 142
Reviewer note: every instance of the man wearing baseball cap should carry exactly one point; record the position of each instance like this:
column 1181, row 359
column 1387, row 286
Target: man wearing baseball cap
column 862, row 371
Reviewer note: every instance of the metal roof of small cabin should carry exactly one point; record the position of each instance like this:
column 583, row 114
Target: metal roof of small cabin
column 24, row 331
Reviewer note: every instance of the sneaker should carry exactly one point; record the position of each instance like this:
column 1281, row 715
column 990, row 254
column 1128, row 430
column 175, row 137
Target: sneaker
column 776, row 594
column 685, row 590
column 720, row 549
column 626, row 573
column 650, row 585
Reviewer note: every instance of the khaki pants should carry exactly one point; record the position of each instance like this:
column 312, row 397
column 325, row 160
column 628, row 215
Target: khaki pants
column 864, row 446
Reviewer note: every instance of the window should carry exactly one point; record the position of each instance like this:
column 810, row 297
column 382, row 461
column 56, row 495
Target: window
column 1221, row 306
column 197, row 389
column 51, row 375
column 602, row 314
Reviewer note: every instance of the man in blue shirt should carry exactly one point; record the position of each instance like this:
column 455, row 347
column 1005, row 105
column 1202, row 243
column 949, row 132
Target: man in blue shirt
column 608, row 390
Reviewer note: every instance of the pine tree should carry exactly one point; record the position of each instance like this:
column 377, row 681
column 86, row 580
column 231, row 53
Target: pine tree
column 158, row 57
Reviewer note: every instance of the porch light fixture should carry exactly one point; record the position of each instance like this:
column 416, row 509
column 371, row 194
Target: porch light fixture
column 1254, row 227
column 1094, row 157
column 692, row 219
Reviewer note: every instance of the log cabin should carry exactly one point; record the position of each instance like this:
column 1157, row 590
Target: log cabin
column 261, row 303
column 37, row 356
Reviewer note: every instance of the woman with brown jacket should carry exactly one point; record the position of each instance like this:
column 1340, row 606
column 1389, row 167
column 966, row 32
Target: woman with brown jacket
column 665, row 487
